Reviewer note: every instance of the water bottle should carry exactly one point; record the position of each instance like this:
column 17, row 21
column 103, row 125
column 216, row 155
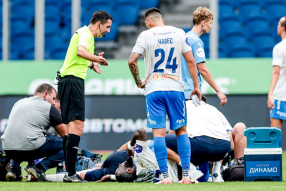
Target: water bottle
column 196, row 100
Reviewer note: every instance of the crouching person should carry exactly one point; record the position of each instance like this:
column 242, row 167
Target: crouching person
column 24, row 138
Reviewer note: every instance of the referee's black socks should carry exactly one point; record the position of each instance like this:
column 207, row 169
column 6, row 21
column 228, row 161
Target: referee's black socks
column 71, row 153
column 64, row 146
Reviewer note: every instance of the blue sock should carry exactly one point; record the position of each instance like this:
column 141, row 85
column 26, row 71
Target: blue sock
column 184, row 150
column 280, row 140
column 161, row 154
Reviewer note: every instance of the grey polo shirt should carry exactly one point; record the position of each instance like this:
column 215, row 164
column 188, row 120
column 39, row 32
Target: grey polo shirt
column 28, row 122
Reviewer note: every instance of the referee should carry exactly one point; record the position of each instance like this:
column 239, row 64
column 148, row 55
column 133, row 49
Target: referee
column 78, row 59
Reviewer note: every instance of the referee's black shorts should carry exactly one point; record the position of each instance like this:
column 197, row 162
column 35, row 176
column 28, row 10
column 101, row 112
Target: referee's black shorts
column 71, row 94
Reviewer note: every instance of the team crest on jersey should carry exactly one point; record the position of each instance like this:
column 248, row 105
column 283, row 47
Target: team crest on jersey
column 155, row 77
column 187, row 41
column 138, row 149
column 154, row 33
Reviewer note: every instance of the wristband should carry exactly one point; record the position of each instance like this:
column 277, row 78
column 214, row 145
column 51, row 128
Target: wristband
column 92, row 65
column 130, row 147
column 112, row 177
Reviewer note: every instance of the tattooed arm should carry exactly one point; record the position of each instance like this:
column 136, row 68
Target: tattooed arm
column 133, row 59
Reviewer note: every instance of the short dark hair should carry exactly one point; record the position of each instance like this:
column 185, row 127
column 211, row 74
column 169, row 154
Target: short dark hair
column 44, row 88
column 283, row 24
column 102, row 16
column 152, row 11
column 126, row 177
column 57, row 97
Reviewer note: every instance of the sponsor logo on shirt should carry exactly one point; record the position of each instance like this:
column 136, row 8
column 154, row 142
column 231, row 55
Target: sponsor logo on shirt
column 155, row 77
column 200, row 52
column 171, row 77
column 165, row 33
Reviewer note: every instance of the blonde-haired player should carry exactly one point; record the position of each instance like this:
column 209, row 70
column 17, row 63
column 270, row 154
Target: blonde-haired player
column 202, row 19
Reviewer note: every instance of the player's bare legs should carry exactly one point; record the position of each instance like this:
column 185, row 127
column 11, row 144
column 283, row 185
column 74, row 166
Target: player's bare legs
column 239, row 140
column 276, row 122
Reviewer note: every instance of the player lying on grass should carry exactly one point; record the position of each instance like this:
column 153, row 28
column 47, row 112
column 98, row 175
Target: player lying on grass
column 145, row 167
column 211, row 136
column 121, row 165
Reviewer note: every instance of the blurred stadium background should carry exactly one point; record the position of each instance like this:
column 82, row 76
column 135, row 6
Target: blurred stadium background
column 35, row 35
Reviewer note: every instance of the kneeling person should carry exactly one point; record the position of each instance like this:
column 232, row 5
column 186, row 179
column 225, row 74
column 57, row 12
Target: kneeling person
column 24, row 138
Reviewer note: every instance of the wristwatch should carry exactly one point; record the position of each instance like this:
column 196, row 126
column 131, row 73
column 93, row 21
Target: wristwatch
column 92, row 65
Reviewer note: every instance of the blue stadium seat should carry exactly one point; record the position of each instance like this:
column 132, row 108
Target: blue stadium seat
column 264, row 45
column 67, row 10
column 23, row 9
column 257, row 24
column 93, row 6
column 235, row 39
column 25, row 42
column 228, row 22
column 269, row 2
column 276, row 11
column 225, row 8
column 19, row 25
column 52, row 25
column 222, row 51
column 65, row 33
column 248, row 7
column 146, row 4
column 29, row 54
column 53, row 41
column 52, row 11
column 241, row 51
column 58, row 53
column 128, row 11
column 14, row 53
column 1, row 13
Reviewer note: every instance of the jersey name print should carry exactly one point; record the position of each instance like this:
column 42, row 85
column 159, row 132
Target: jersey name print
column 162, row 48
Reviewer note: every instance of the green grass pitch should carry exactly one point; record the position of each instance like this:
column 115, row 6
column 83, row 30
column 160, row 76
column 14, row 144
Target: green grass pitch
column 115, row 186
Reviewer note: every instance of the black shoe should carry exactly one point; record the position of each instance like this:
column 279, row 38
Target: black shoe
column 13, row 174
column 74, row 178
column 37, row 173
